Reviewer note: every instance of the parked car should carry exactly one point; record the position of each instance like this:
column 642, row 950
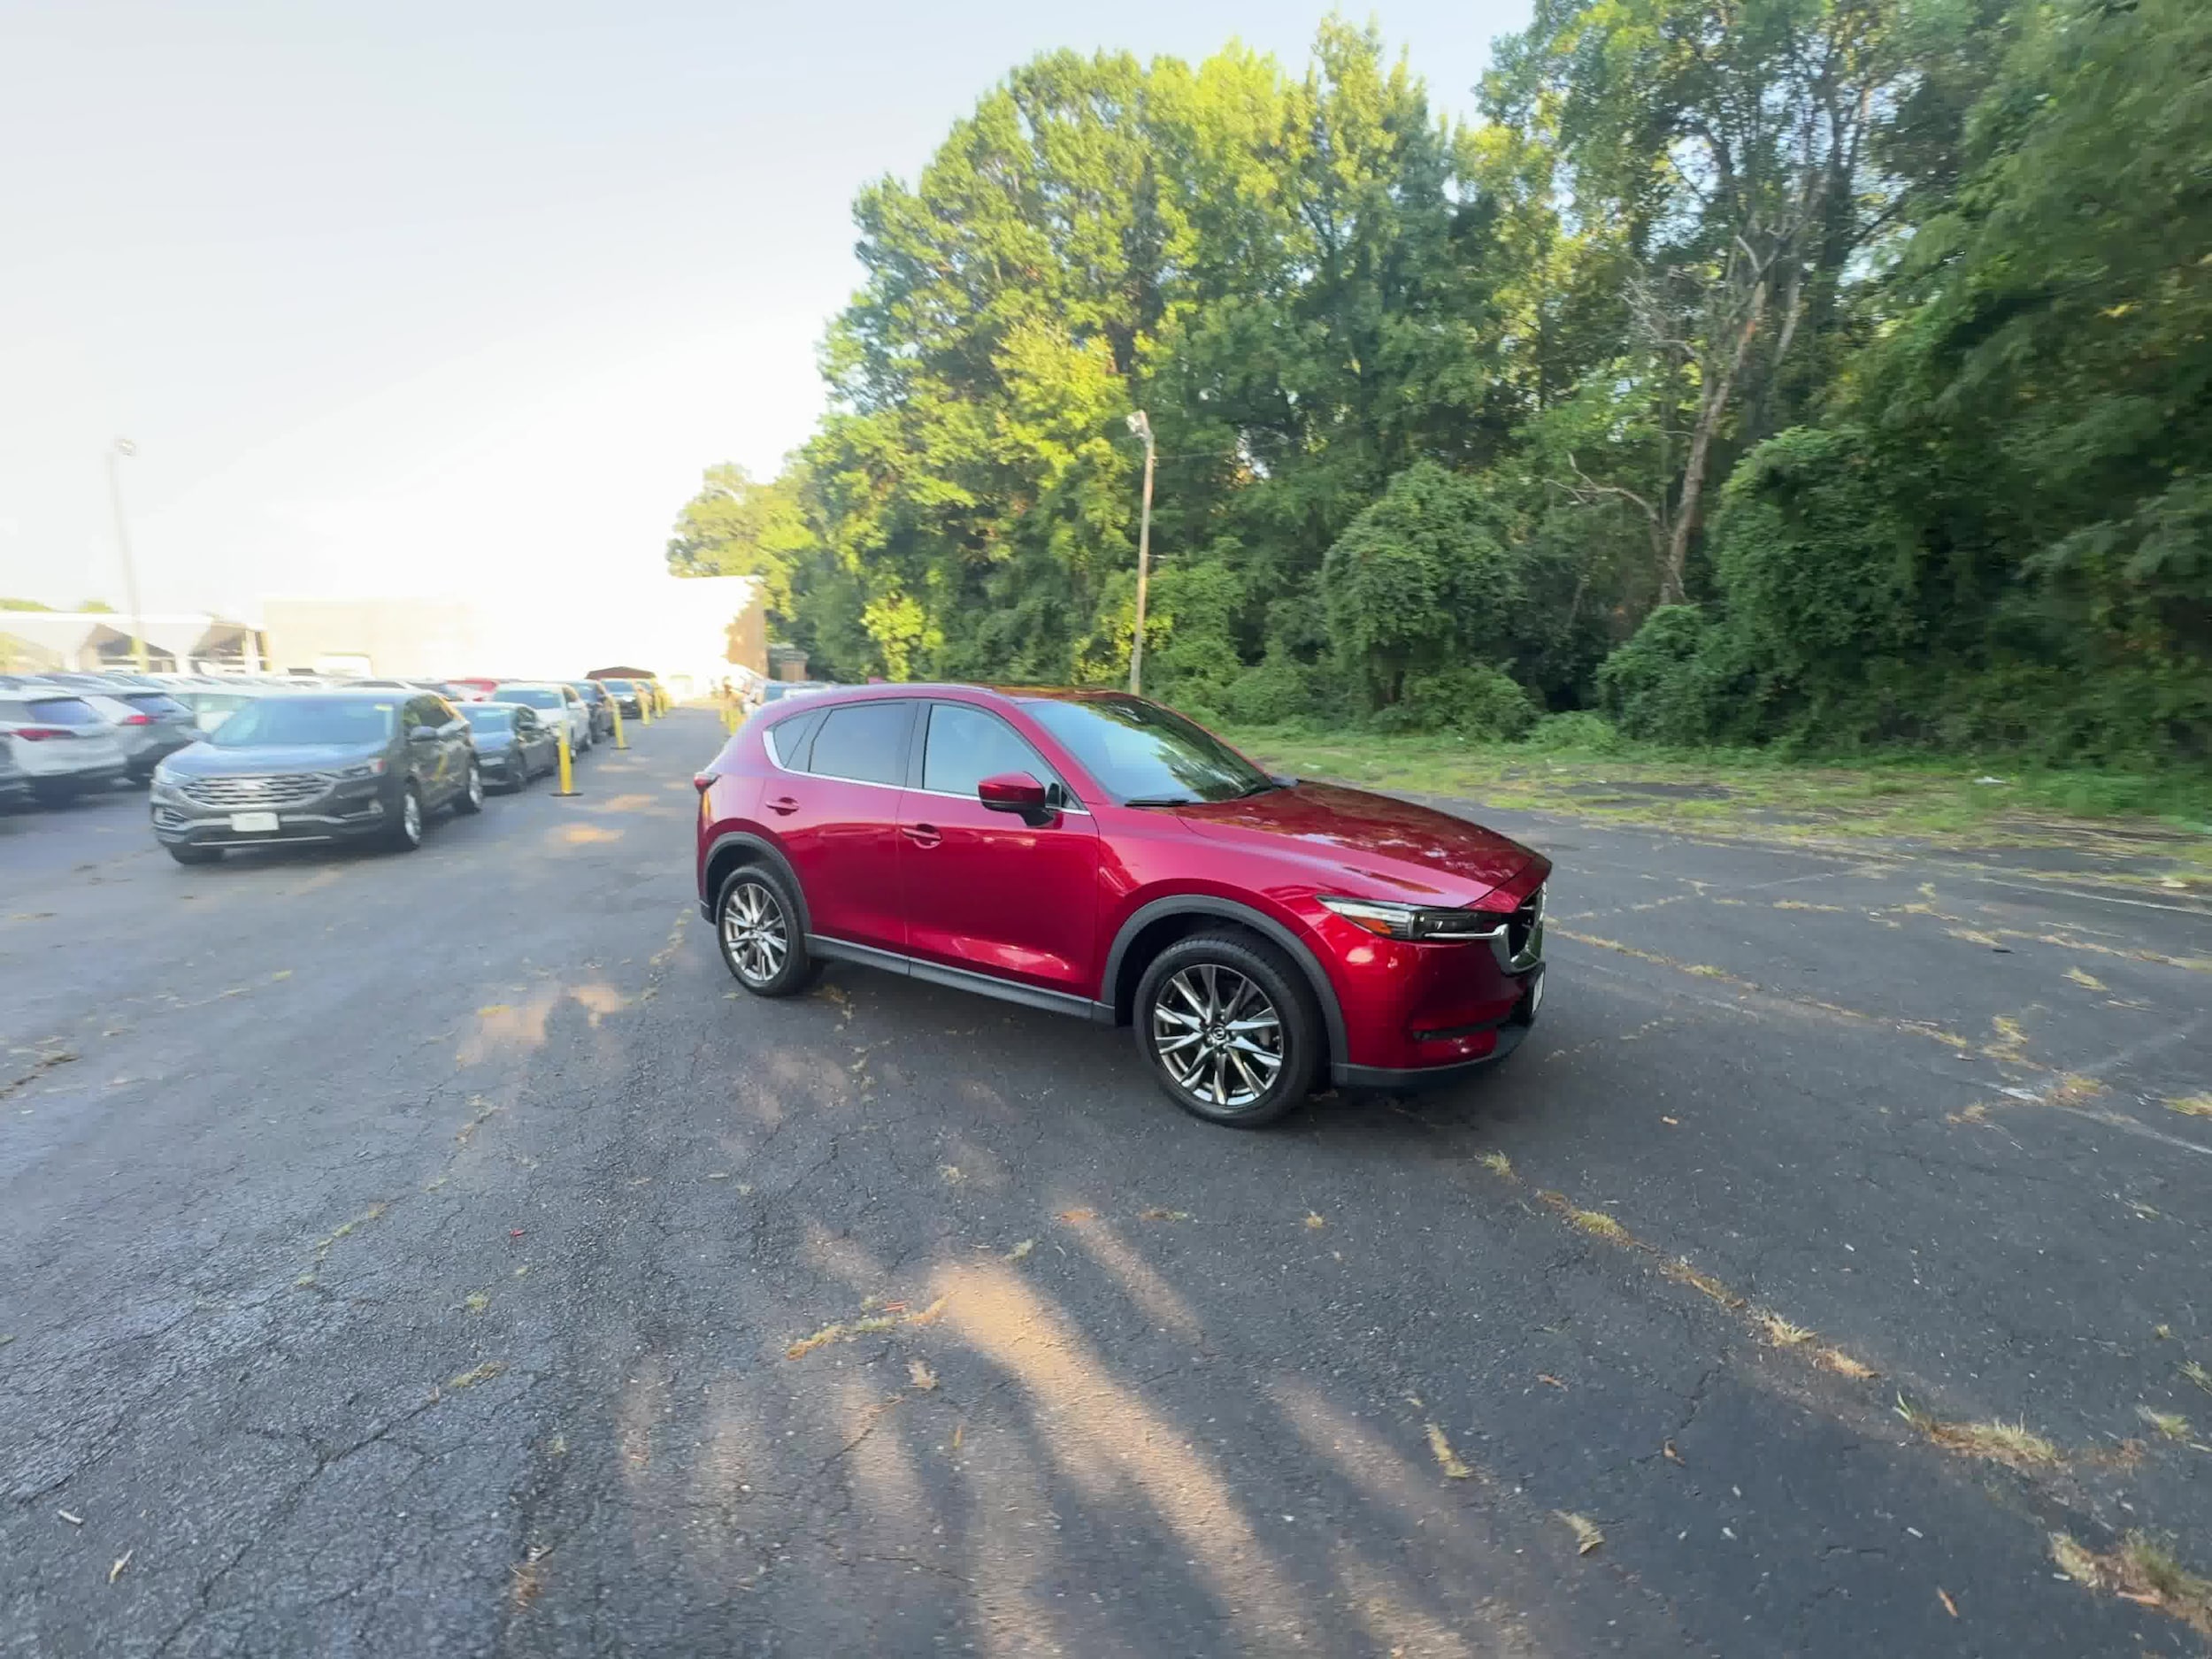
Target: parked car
column 512, row 744
column 554, row 703
column 210, row 708
column 15, row 788
column 598, row 703
column 1097, row 853
column 777, row 690
column 149, row 725
column 471, row 689
column 317, row 766
column 627, row 697
column 58, row 741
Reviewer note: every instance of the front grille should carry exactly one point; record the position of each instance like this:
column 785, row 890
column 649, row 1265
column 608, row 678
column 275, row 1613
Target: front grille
column 1525, row 928
column 285, row 789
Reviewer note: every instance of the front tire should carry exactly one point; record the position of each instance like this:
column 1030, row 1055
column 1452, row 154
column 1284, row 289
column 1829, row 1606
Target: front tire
column 756, row 925
column 471, row 800
column 406, row 832
column 1229, row 1028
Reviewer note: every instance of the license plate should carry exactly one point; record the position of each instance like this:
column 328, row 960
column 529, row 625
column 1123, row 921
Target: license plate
column 253, row 823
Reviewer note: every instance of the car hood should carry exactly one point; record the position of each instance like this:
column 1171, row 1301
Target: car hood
column 1416, row 853
column 205, row 760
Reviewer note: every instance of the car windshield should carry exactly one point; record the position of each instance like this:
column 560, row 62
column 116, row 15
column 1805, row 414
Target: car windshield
column 536, row 696
column 486, row 719
column 1146, row 755
column 271, row 720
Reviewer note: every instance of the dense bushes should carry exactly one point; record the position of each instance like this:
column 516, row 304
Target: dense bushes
column 1882, row 422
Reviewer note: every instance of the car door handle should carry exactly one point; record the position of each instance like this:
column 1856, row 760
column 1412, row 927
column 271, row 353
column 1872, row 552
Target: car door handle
column 921, row 834
column 784, row 803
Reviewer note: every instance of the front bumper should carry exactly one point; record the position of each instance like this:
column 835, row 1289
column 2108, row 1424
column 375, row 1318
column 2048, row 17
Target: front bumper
column 180, row 821
column 1421, row 1012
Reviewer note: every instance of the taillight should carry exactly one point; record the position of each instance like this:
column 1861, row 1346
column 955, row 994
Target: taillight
column 40, row 733
column 137, row 720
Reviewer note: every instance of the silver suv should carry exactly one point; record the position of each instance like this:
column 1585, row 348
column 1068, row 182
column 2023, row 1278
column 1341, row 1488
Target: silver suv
column 58, row 741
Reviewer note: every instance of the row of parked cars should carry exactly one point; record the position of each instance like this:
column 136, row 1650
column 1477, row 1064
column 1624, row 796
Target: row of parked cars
column 249, row 760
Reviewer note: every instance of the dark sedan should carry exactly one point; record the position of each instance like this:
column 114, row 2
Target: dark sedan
column 625, row 692
column 512, row 744
column 325, row 767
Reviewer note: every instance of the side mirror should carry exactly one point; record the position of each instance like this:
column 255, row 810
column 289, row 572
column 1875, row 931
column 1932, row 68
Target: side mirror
column 1012, row 792
column 422, row 734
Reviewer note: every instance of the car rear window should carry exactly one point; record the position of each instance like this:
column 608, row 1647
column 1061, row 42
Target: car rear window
column 63, row 712
column 154, row 702
column 493, row 719
column 537, row 697
column 865, row 742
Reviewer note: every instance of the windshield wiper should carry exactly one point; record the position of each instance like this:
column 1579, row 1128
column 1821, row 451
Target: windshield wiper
column 1264, row 786
column 1160, row 800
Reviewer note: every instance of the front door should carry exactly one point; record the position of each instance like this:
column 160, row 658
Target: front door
column 835, row 810
column 987, row 891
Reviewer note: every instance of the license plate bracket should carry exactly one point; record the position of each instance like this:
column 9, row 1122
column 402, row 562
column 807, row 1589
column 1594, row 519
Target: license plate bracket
column 253, row 823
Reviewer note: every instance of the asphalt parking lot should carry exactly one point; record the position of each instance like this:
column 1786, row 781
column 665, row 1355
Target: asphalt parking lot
column 437, row 1254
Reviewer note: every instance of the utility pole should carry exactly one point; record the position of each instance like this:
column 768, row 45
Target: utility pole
column 1142, row 428
column 116, row 451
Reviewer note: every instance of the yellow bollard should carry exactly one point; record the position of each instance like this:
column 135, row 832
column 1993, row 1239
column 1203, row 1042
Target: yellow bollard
column 645, row 706
column 568, row 774
column 620, row 741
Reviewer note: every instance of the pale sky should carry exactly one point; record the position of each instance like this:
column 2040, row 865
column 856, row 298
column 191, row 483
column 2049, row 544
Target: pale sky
column 443, row 298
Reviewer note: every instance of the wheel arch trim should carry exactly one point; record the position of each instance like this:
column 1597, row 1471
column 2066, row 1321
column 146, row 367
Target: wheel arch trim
column 753, row 847
column 1228, row 911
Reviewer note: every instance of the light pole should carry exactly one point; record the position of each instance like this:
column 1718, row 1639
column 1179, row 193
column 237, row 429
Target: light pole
column 1142, row 428
column 117, row 451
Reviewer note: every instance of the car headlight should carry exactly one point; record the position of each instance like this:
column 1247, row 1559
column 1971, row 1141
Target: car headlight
column 366, row 769
column 1413, row 921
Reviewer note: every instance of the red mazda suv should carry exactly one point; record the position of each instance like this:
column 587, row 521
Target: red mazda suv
column 1099, row 855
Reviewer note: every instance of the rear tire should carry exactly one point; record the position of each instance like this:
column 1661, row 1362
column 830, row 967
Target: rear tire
column 757, row 928
column 1230, row 1028
column 185, row 855
column 54, row 793
column 518, row 771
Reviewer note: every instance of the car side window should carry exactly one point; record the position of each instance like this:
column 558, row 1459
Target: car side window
column 787, row 740
column 863, row 742
column 966, row 745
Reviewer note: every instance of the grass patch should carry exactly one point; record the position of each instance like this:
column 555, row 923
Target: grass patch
column 2191, row 1105
column 2143, row 1569
column 1775, row 793
column 2013, row 1444
column 1780, row 1332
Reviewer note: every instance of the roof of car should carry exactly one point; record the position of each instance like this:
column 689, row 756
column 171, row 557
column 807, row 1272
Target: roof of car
column 1011, row 694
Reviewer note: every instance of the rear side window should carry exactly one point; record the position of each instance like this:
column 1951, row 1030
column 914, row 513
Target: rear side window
column 865, row 742
column 153, row 702
column 63, row 712
column 968, row 745
column 787, row 740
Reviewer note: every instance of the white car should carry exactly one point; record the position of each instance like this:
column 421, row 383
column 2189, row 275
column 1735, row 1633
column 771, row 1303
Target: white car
column 58, row 741
column 554, row 703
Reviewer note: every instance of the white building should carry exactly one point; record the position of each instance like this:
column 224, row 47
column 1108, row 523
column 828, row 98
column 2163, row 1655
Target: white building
column 86, row 641
column 692, row 632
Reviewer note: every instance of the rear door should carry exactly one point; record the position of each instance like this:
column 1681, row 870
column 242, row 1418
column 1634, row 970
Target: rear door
column 989, row 891
column 834, row 805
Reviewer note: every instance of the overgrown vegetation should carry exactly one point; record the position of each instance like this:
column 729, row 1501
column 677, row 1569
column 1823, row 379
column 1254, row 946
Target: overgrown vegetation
column 1824, row 375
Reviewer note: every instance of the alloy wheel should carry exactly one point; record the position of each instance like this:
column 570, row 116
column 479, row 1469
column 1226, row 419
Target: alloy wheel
column 755, row 935
column 410, row 817
column 476, row 786
column 1218, row 1035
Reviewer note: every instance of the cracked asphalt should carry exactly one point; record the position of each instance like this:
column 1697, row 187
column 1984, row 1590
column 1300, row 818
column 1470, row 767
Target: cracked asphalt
column 437, row 1254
